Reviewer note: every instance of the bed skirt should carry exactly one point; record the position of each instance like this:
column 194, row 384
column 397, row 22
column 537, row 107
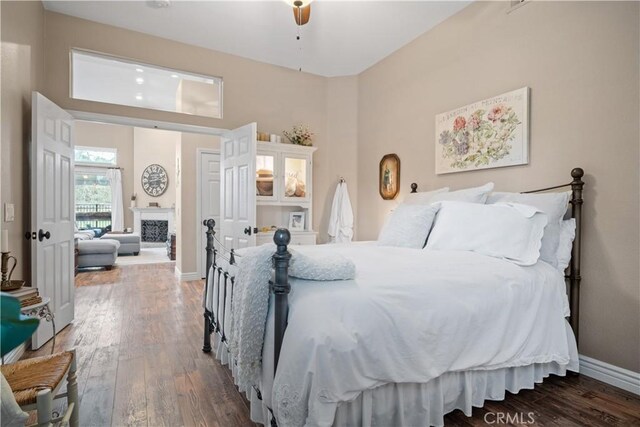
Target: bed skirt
column 413, row 404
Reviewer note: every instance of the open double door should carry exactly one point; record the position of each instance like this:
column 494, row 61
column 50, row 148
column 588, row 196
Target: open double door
column 52, row 204
column 238, row 187
column 52, row 212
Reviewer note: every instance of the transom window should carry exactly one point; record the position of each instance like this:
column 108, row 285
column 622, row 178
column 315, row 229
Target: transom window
column 96, row 156
column 104, row 78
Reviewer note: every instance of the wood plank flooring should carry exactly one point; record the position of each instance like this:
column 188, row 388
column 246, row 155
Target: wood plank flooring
column 138, row 335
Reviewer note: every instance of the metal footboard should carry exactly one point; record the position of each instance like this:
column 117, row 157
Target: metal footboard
column 223, row 283
column 224, row 279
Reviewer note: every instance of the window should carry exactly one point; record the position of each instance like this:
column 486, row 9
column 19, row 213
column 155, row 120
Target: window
column 96, row 156
column 93, row 199
column 92, row 189
column 104, row 78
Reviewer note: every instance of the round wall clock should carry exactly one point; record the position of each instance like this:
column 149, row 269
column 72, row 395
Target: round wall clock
column 154, row 180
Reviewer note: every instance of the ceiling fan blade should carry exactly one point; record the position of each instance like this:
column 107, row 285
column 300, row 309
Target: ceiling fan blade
column 302, row 16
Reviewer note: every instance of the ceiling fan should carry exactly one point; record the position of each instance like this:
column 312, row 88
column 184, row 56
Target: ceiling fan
column 301, row 10
column 301, row 13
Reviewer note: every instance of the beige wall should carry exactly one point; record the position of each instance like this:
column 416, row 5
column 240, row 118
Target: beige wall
column 22, row 71
column 186, row 213
column 342, row 139
column 581, row 62
column 93, row 134
column 579, row 59
column 275, row 97
column 154, row 146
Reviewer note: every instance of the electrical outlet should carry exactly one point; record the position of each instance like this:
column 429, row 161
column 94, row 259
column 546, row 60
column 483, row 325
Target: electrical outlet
column 9, row 212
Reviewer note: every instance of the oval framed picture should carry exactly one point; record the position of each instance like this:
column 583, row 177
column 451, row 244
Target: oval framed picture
column 389, row 176
column 154, row 180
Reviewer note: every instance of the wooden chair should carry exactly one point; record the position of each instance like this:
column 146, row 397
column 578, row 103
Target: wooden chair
column 35, row 383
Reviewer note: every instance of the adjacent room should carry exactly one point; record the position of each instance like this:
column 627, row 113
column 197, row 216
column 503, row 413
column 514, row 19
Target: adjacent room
column 320, row 213
column 128, row 193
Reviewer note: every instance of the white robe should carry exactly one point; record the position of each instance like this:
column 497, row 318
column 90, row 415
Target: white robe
column 341, row 220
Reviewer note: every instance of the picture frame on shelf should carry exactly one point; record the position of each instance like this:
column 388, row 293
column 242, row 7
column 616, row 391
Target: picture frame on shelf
column 297, row 221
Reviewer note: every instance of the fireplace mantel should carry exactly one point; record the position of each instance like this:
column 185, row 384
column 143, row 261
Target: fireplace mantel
column 166, row 214
column 151, row 209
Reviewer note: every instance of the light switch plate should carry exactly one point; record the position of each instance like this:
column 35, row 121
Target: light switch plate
column 9, row 212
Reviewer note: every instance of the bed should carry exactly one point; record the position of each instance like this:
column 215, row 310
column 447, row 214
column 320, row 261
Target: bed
column 357, row 352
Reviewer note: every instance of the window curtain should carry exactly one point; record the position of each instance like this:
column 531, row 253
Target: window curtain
column 117, row 208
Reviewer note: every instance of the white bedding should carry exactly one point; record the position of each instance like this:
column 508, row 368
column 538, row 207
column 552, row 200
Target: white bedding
column 408, row 317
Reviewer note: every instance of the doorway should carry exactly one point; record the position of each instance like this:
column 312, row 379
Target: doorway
column 208, row 198
column 187, row 167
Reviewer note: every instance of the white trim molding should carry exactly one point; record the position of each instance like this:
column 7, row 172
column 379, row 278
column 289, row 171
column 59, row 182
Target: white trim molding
column 14, row 355
column 144, row 123
column 610, row 374
column 186, row 277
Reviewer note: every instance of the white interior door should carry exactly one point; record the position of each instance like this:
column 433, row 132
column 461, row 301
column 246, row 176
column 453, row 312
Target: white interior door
column 238, row 187
column 52, row 213
column 209, row 197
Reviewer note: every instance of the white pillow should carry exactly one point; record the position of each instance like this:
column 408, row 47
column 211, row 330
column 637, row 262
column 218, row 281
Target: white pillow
column 408, row 226
column 10, row 413
column 470, row 195
column 567, row 234
column 554, row 205
column 423, row 197
column 506, row 230
column 322, row 267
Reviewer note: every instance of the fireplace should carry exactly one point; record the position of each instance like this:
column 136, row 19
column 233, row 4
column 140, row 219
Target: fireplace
column 153, row 216
column 154, row 230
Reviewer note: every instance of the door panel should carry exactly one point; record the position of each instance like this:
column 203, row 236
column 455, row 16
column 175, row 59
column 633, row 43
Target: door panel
column 228, row 149
column 52, row 161
column 65, row 133
column 65, row 178
column 49, row 195
column 209, row 199
column 244, row 145
column 243, row 183
column 238, row 198
column 65, row 294
column 228, row 194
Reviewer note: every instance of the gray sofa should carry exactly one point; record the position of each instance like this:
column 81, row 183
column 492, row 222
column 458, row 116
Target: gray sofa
column 97, row 253
column 129, row 242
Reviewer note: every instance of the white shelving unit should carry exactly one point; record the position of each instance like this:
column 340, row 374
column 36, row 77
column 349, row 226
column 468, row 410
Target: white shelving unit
column 284, row 184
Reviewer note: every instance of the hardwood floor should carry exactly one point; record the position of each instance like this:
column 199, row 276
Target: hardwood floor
column 138, row 335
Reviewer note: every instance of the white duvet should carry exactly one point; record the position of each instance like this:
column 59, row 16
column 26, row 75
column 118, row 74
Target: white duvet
column 409, row 316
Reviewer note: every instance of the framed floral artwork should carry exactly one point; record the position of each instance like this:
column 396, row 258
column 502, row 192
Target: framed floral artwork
column 389, row 176
column 491, row 133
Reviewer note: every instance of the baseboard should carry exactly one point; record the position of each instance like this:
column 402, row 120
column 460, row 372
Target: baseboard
column 610, row 374
column 15, row 354
column 185, row 277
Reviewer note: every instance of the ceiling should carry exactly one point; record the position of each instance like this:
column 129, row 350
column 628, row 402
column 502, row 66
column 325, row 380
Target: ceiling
column 341, row 38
